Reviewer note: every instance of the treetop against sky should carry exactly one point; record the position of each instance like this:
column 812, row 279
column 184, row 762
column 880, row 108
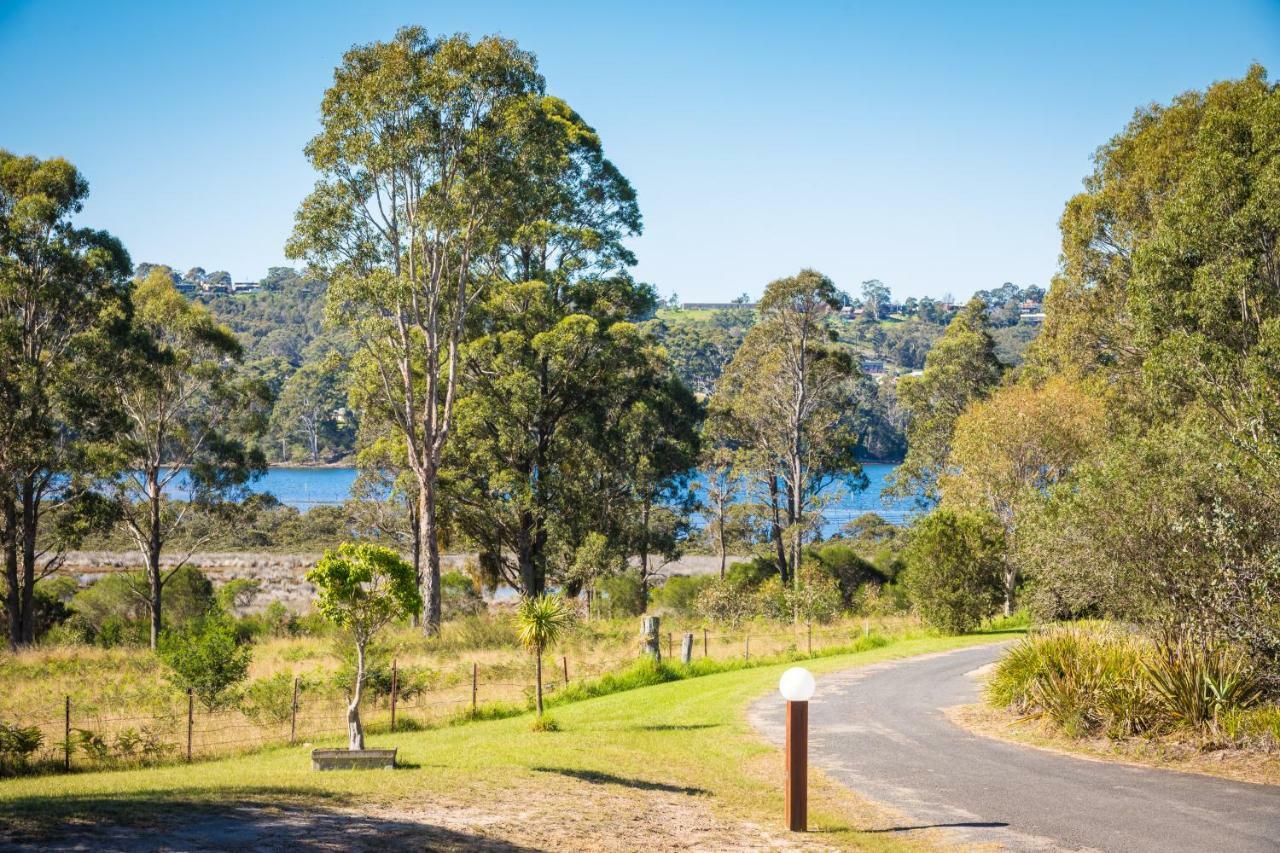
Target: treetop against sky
column 929, row 145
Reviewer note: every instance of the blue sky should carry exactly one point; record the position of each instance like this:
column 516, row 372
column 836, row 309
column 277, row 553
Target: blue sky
column 930, row 145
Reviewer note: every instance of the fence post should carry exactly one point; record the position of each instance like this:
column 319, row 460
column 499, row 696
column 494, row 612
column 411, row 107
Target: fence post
column 66, row 758
column 652, row 643
column 565, row 661
column 670, row 648
column 293, row 714
column 747, row 645
column 810, row 624
column 686, row 650
column 705, row 648
column 395, row 691
column 474, row 670
column 866, row 627
column 191, row 719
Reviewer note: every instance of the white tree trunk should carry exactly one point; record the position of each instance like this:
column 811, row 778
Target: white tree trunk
column 355, row 732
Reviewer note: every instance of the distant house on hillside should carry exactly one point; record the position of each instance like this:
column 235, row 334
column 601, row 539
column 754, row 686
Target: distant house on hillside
column 245, row 287
column 184, row 286
column 1031, row 312
column 873, row 366
column 714, row 306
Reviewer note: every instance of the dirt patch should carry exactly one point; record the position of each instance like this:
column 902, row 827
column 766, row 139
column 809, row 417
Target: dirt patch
column 1237, row 764
column 558, row 812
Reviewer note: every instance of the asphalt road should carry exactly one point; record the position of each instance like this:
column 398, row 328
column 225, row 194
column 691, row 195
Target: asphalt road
column 881, row 731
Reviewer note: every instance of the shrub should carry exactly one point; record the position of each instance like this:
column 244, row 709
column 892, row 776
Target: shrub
column 1085, row 682
column 269, row 701
column 1197, row 683
column 752, row 573
column 680, row 594
column 622, row 596
column 459, row 596
column 817, row 598
column 843, row 563
column 206, row 659
column 237, row 594
column 727, row 601
column 954, row 568
column 17, row 745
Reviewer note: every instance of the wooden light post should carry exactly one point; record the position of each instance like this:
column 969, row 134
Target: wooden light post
column 797, row 686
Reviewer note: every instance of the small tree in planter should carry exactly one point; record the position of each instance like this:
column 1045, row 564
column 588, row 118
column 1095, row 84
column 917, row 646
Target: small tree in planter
column 363, row 588
column 541, row 621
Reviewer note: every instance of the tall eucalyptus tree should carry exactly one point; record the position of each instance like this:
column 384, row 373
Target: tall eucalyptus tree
column 64, row 310
column 421, row 149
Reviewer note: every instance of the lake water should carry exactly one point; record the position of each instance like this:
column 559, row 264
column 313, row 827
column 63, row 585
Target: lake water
column 307, row 487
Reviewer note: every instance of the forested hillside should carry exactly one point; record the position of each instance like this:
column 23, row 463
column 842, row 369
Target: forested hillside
column 280, row 322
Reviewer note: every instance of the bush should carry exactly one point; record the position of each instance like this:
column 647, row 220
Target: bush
column 1084, row 682
column 269, row 701
column 1197, row 684
column 622, row 596
column 1090, row 681
column 206, row 659
column 459, row 596
column 727, row 601
column 680, row 594
column 752, row 573
column 113, row 610
column 847, row 567
column 954, row 569
column 17, row 745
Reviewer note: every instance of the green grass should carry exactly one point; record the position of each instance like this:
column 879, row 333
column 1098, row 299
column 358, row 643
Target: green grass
column 689, row 733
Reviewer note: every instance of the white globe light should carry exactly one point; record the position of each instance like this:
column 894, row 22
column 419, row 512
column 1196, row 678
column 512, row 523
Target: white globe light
column 797, row 684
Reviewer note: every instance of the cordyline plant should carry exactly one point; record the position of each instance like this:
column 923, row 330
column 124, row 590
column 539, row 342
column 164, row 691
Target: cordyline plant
column 540, row 622
column 363, row 588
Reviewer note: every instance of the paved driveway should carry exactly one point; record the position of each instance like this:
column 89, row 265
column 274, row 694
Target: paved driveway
column 881, row 731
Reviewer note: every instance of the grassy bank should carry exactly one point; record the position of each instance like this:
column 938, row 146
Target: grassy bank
column 681, row 745
column 126, row 693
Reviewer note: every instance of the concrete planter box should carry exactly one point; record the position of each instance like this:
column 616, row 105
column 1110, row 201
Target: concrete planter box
column 353, row 759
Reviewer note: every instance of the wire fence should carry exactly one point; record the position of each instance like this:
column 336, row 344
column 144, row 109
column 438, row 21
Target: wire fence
column 79, row 738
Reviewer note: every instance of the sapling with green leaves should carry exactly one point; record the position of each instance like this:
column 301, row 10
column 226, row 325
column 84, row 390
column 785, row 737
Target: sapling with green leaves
column 363, row 588
column 540, row 622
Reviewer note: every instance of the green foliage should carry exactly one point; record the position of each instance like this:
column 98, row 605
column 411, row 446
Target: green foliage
column 64, row 308
column 816, row 597
column 961, row 367
column 954, row 568
column 680, row 593
column 206, row 659
column 786, row 405
column 621, row 595
column 1196, row 684
column 543, row 621
column 364, row 587
column 237, row 594
column 847, row 567
column 727, row 602
column 269, row 701
column 17, row 746
column 1091, row 681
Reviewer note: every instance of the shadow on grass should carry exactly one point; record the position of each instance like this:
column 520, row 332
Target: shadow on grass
column 957, row 825
column 676, row 727
column 184, row 819
column 596, row 777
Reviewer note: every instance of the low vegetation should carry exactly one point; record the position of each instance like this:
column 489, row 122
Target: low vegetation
column 1094, row 680
column 678, row 746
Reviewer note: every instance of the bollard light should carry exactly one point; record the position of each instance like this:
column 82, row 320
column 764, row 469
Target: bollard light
column 797, row 686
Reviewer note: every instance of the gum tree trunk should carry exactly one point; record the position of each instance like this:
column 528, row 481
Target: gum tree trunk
column 355, row 732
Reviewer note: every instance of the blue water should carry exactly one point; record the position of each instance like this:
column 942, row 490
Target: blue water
column 307, row 487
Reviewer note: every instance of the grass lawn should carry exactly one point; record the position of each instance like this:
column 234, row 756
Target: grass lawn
column 666, row 766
